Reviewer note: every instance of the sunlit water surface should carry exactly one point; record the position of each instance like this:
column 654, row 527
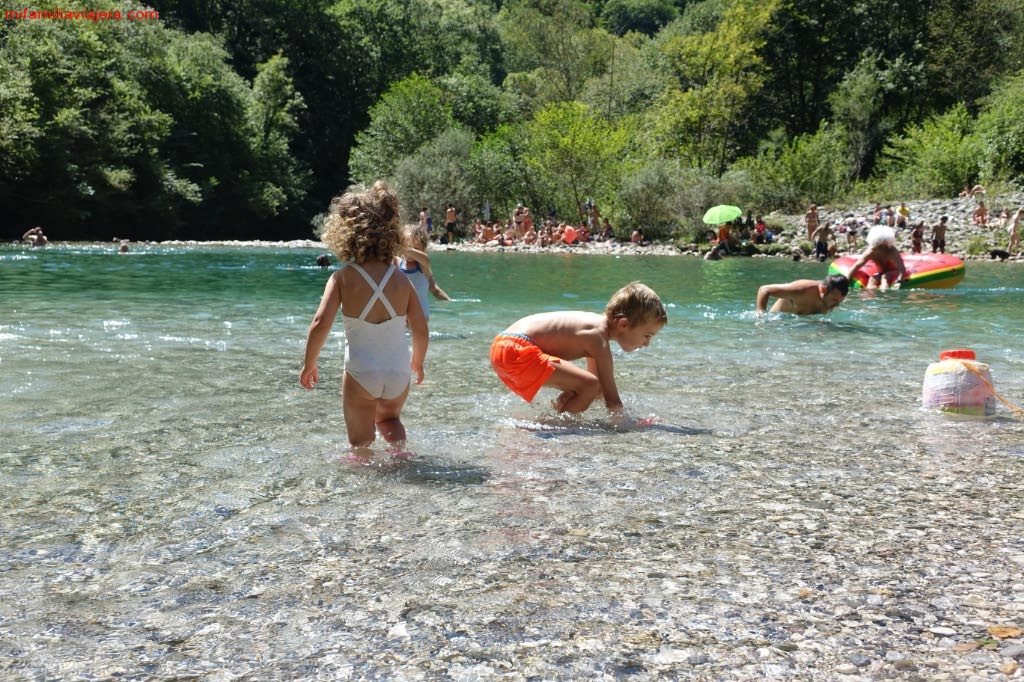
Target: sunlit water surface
column 173, row 503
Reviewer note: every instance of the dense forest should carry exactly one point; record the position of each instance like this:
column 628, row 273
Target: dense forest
column 240, row 119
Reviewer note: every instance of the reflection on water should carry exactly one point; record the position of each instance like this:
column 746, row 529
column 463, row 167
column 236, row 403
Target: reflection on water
column 175, row 505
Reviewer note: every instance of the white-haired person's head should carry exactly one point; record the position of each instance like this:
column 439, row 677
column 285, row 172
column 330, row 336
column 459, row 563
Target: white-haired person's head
column 881, row 235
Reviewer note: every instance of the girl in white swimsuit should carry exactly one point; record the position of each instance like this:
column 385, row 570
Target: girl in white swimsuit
column 377, row 303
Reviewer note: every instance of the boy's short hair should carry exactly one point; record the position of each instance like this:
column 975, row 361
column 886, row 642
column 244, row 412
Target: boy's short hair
column 838, row 282
column 638, row 303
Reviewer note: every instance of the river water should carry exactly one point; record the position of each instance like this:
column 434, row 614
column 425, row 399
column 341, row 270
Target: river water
column 175, row 506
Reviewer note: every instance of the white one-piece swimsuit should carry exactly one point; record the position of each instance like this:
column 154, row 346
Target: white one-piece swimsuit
column 377, row 355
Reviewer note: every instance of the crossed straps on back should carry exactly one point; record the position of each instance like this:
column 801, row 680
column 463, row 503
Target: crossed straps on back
column 378, row 290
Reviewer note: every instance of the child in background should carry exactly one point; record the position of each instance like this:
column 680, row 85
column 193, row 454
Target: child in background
column 415, row 263
column 377, row 302
column 532, row 352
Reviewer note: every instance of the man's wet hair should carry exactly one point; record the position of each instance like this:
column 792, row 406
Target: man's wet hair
column 838, row 282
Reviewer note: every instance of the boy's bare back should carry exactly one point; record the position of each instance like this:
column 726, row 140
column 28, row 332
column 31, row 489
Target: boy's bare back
column 568, row 334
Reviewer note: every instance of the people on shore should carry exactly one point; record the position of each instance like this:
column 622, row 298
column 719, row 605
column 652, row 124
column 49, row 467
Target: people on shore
column 902, row 215
column 939, row 235
column 1013, row 227
column 821, row 237
column 450, row 223
column 519, row 217
column 804, row 296
column 853, row 226
column 883, row 253
column 426, row 222
column 377, row 302
column 980, row 215
column 35, row 237
column 917, row 237
column 811, row 221
column 536, row 350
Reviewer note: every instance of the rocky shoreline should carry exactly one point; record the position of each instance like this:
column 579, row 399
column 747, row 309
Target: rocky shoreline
column 790, row 237
column 960, row 233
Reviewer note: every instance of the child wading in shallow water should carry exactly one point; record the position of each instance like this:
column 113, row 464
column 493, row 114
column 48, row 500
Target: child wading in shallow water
column 415, row 263
column 531, row 352
column 377, row 302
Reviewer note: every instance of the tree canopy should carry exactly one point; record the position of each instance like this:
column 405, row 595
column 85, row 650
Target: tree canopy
column 241, row 118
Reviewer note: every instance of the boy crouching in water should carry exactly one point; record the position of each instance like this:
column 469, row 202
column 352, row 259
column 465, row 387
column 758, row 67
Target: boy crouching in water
column 531, row 352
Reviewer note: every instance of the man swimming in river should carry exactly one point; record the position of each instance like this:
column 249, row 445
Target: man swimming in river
column 804, row 296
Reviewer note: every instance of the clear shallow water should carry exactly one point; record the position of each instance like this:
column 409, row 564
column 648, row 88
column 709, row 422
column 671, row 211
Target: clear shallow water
column 173, row 504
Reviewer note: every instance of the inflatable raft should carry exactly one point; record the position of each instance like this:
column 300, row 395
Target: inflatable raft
column 924, row 270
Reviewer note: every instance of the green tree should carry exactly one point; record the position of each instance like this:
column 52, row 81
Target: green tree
column 140, row 131
column 271, row 112
column 410, row 114
column 969, row 45
column 934, row 158
column 1000, row 129
column 556, row 46
column 648, row 197
column 642, row 16
column 813, row 44
column 499, row 172
column 437, row 174
column 575, row 154
column 807, row 169
column 701, row 115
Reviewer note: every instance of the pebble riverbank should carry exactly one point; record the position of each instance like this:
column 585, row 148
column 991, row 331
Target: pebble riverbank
column 959, row 235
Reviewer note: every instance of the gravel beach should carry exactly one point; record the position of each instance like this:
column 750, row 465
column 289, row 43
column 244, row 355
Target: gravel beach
column 959, row 234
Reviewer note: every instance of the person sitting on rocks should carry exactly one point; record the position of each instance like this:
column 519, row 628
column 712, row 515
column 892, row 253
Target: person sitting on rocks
column 529, row 235
column 758, row 235
column 902, row 215
column 487, row 234
column 980, row 215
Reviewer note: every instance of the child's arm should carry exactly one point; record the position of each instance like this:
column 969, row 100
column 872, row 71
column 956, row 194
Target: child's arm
column 600, row 364
column 437, row 291
column 318, row 331
column 417, row 323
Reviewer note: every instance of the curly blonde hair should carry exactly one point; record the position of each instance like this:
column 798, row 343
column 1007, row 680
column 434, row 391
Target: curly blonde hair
column 638, row 303
column 363, row 224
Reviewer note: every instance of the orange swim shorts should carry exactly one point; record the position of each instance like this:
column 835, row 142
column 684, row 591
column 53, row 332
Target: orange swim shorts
column 520, row 364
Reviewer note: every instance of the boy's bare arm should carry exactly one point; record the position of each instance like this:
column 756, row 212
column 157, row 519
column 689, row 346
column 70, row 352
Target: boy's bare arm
column 600, row 364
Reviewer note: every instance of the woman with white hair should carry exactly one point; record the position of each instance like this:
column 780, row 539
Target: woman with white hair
column 883, row 252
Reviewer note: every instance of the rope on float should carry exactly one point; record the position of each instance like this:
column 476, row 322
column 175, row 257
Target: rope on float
column 1017, row 412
